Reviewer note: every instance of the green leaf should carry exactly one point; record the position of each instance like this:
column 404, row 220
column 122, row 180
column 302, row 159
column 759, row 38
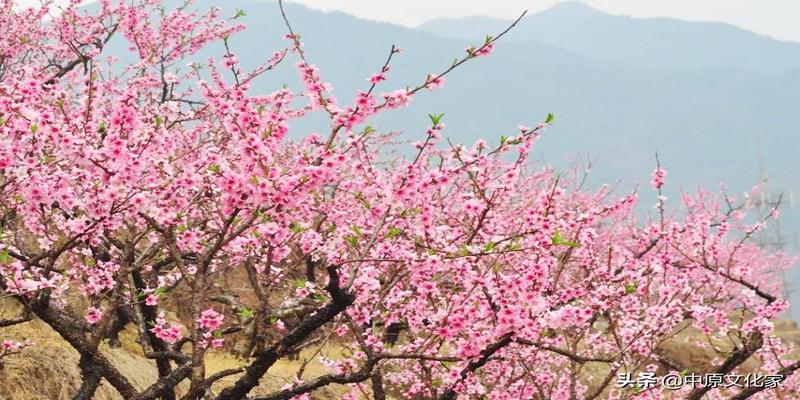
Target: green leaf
column 4, row 257
column 362, row 200
column 295, row 227
column 272, row 320
column 217, row 334
column 215, row 168
column 34, row 129
column 368, row 129
column 463, row 250
column 630, row 288
column 356, row 229
column 550, row 118
column 503, row 139
column 159, row 291
column 298, row 283
column 240, row 13
column 320, row 298
column 245, row 313
column 488, row 39
column 159, row 121
column 558, row 241
column 411, row 212
column 351, row 240
column 435, row 118
column 182, row 228
column 394, row 232
column 489, row 246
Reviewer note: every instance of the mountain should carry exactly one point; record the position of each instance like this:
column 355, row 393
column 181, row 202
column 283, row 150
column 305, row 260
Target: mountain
column 661, row 43
column 710, row 98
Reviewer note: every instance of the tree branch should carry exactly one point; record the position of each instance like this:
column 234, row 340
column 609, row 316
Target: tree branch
column 340, row 300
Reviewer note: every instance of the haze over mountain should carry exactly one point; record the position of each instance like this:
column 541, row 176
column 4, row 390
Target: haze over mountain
column 661, row 43
column 709, row 97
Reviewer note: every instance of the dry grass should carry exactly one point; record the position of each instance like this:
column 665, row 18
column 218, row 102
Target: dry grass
column 49, row 370
column 692, row 349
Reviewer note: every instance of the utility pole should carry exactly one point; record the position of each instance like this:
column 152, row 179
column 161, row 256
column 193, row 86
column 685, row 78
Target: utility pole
column 770, row 237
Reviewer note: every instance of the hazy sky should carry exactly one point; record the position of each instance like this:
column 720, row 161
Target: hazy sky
column 777, row 18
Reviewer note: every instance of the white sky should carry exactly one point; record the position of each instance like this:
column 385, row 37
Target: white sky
column 776, row 18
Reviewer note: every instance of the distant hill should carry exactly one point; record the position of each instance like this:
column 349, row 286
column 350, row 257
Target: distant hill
column 661, row 43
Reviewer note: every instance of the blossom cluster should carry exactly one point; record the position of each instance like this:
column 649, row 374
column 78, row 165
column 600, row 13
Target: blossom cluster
column 130, row 191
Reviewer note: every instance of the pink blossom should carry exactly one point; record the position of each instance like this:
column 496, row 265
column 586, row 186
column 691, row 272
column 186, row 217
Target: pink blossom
column 168, row 334
column 376, row 78
column 398, row 98
column 484, row 50
column 657, row 178
column 434, row 82
column 93, row 315
column 210, row 320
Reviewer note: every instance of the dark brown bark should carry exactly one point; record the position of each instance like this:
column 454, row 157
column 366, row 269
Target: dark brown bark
column 73, row 332
column 340, row 300
column 311, row 267
column 378, row 391
column 392, row 332
column 91, row 376
column 149, row 314
column 473, row 366
column 165, row 384
column 750, row 345
column 785, row 371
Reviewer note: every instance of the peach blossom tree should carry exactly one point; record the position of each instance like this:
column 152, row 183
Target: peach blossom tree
column 167, row 199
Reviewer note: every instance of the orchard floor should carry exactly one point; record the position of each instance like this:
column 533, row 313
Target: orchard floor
column 48, row 370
